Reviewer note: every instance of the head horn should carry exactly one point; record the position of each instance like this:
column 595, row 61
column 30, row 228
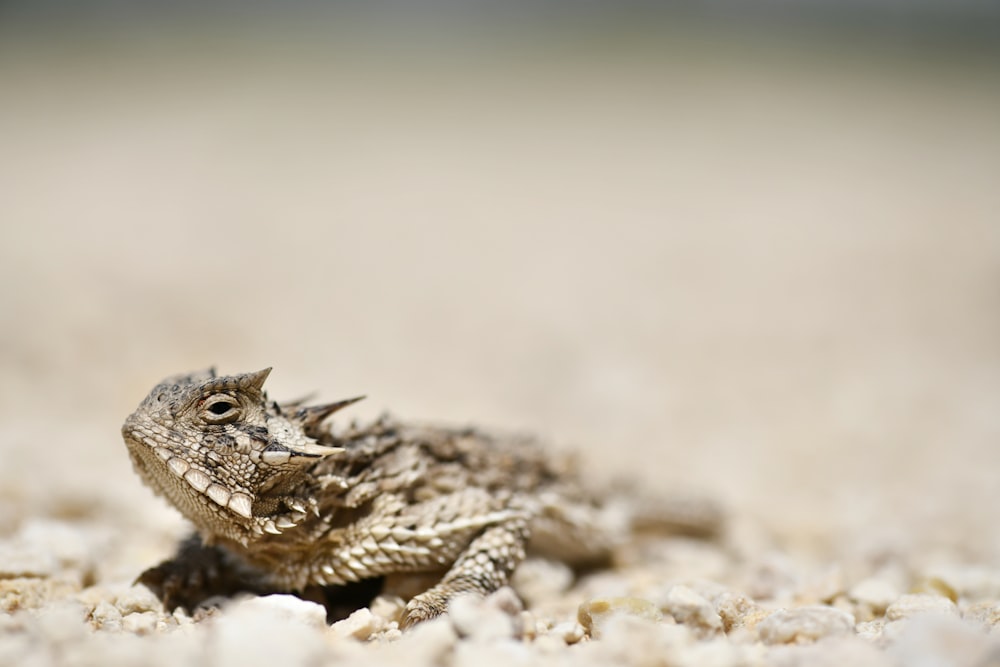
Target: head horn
column 255, row 380
column 313, row 415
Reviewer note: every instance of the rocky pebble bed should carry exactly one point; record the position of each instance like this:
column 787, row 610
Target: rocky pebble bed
column 736, row 609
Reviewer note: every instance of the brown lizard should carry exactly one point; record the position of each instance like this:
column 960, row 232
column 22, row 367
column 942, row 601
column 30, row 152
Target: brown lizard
column 282, row 502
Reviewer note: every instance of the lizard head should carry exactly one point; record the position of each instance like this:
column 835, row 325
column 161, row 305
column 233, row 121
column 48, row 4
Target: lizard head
column 225, row 456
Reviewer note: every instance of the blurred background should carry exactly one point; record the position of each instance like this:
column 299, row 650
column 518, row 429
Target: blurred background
column 750, row 249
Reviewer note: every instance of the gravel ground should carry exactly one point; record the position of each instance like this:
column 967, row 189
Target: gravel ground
column 764, row 275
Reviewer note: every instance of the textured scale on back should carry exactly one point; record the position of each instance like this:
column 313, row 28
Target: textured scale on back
column 281, row 502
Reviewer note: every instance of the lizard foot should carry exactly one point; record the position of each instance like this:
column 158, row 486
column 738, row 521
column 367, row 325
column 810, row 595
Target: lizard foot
column 197, row 573
column 422, row 608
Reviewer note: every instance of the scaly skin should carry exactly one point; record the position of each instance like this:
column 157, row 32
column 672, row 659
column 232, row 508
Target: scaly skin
column 283, row 503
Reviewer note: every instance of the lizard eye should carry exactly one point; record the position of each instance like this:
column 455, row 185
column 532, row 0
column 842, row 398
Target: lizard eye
column 220, row 410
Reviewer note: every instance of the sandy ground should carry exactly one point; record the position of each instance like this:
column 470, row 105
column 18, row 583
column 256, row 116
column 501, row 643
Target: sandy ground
column 762, row 274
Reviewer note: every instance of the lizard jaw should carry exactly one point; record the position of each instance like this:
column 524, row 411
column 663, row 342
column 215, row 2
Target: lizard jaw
column 176, row 479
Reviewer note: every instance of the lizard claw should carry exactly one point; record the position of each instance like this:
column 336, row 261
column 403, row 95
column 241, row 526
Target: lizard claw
column 422, row 608
column 177, row 586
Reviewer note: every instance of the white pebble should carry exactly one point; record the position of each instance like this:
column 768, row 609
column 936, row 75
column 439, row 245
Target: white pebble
column 986, row 613
column 271, row 630
column 628, row 636
column 843, row 651
column 968, row 582
column 474, row 617
column 691, row 609
column 804, row 624
column 877, row 594
column 360, row 625
column 106, row 617
column 71, row 544
column 537, row 579
column 388, row 607
column 286, row 607
column 506, row 600
column 427, row 643
column 935, row 639
column 140, row 622
column 823, row 588
column 137, row 599
column 736, row 610
column 549, row 645
column 870, row 630
column 909, row 606
column 61, row 621
column 568, row 631
column 499, row 653
column 17, row 561
column 595, row 615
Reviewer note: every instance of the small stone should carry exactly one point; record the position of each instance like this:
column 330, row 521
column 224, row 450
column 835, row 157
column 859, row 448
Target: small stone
column 530, row 626
column 822, row 589
column 91, row 596
column 21, row 649
column 603, row 584
column 106, row 617
column 202, row 613
column 804, row 624
column 62, row 622
column 720, row 652
column 935, row 586
column 69, row 544
column 181, row 618
column 569, row 632
column 506, row 600
column 832, row 652
column 550, row 645
column 269, row 630
column 496, row 617
column 909, row 606
column 870, row 630
column 736, row 610
column 537, row 580
column 390, row 634
column 137, row 599
column 500, row 653
column 709, row 590
column 875, row 594
column 938, row 639
column 427, row 643
column 594, row 614
column 140, row 623
column 691, row 609
column 627, row 636
column 33, row 593
column 842, row 603
column 287, row 607
column 774, row 577
column 388, row 607
column 986, row 613
column 976, row 583
column 21, row 562
column 360, row 625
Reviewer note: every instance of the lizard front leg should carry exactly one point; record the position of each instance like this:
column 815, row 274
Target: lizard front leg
column 483, row 567
column 475, row 537
column 198, row 572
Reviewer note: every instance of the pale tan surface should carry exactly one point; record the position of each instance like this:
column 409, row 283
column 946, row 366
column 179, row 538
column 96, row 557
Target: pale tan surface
column 771, row 277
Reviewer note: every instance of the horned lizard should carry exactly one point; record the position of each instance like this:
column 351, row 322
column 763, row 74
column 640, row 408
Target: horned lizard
column 283, row 502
